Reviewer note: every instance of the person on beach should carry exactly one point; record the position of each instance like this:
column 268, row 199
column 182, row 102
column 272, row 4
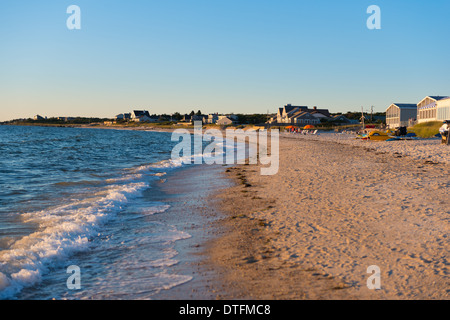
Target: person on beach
column 444, row 131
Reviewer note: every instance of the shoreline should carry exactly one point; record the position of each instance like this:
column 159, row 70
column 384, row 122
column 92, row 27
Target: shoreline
column 190, row 192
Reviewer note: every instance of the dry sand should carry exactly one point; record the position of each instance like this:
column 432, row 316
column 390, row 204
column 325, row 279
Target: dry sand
column 333, row 210
column 420, row 149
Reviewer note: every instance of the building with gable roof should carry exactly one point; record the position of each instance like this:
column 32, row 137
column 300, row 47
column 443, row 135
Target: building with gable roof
column 290, row 114
column 427, row 108
column 400, row 114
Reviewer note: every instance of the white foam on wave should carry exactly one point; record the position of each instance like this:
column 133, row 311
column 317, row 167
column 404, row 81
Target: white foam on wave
column 68, row 228
column 63, row 230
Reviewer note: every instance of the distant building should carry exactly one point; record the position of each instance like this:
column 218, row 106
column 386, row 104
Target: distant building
column 65, row 118
column 340, row 118
column 141, row 119
column 186, row 118
column 38, row 117
column 273, row 118
column 400, row 115
column 290, row 114
column 212, row 118
column 139, row 113
column 193, row 118
column 303, row 117
column 226, row 120
column 123, row 116
column 319, row 113
column 284, row 114
column 140, row 116
column 427, row 109
column 443, row 109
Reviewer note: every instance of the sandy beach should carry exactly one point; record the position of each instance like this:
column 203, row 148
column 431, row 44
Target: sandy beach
column 337, row 206
column 334, row 209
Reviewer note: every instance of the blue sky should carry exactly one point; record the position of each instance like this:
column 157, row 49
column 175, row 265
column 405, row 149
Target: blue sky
column 241, row 56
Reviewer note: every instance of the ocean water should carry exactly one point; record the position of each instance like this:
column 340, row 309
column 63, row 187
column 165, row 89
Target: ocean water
column 75, row 196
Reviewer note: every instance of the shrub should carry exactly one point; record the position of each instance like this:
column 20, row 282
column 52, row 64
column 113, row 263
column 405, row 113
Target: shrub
column 426, row 129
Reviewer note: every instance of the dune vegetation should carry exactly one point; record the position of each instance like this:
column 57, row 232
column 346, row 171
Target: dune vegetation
column 426, row 129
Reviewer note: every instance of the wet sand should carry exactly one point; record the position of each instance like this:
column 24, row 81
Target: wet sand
column 190, row 191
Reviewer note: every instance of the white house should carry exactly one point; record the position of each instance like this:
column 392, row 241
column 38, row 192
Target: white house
column 427, row 109
column 140, row 116
column 400, row 114
column 443, row 109
column 139, row 113
column 285, row 113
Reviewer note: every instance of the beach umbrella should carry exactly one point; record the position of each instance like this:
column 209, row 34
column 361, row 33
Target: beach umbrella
column 309, row 127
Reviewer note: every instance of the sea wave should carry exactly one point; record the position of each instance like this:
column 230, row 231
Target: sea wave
column 63, row 230
column 72, row 222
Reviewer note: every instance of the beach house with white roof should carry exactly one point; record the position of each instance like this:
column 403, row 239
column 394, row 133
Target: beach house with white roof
column 432, row 108
column 400, row 114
